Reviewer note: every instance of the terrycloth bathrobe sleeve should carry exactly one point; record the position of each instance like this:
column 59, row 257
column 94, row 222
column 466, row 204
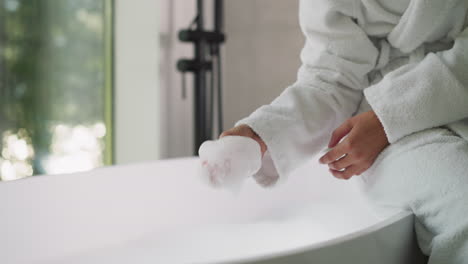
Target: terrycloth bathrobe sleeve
column 431, row 93
column 336, row 59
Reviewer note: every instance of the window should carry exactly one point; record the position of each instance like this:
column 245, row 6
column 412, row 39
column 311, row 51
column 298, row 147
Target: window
column 55, row 86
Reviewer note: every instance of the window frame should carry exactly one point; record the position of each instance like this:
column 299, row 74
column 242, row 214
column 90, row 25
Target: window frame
column 136, row 115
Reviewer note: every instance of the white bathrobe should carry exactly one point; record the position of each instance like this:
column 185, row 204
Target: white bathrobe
column 349, row 45
column 407, row 60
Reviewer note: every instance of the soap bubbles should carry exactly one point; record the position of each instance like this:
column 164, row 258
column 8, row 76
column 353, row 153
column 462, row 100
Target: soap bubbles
column 227, row 162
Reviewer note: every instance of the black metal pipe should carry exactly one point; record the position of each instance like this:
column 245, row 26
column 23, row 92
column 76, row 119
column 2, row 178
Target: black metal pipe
column 200, row 15
column 201, row 132
column 218, row 15
column 218, row 28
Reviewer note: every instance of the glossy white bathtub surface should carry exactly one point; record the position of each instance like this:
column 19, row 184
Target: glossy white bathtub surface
column 161, row 213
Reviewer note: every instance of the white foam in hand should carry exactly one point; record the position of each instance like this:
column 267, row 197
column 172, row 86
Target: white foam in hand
column 227, row 162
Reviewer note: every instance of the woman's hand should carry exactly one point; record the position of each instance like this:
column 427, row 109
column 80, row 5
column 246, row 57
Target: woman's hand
column 357, row 152
column 245, row 131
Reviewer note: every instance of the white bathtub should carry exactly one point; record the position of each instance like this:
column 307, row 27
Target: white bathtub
column 160, row 213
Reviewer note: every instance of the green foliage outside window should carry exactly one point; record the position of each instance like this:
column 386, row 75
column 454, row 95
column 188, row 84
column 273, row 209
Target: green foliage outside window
column 55, row 86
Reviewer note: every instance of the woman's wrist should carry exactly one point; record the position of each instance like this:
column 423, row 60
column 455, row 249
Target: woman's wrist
column 246, row 131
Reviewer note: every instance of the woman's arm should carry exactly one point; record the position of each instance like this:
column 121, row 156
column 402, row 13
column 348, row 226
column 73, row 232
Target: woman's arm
column 336, row 60
column 419, row 96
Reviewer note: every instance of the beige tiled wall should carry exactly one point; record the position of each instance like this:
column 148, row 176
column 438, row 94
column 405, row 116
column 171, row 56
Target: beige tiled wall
column 261, row 54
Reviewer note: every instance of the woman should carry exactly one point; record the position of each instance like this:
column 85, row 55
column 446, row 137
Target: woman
column 384, row 83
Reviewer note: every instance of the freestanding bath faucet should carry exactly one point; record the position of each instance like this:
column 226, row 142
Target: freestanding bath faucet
column 207, row 60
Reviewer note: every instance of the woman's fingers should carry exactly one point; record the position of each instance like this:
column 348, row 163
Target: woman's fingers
column 335, row 153
column 342, row 163
column 360, row 139
column 245, row 131
column 347, row 173
column 242, row 130
column 339, row 133
column 338, row 148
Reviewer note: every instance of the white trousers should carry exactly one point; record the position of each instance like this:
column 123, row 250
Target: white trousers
column 427, row 173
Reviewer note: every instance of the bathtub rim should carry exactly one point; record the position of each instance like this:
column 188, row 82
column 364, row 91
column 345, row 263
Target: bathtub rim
column 397, row 217
column 328, row 243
